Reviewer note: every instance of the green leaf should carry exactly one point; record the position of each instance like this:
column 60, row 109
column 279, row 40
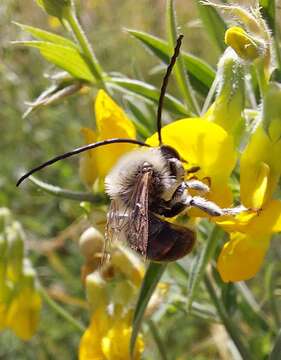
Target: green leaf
column 151, row 278
column 201, row 74
column 276, row 351
column 139, row 119
column 67, row 194
column 199, row 266
column 149, row 92
column 267, row 8
column 66, row 58
column 214, row 24
column 47, row 36
column 180, row 73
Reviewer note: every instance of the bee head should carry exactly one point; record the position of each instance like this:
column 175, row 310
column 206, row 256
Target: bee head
column 169, row 152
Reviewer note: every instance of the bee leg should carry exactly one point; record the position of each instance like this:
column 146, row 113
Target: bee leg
column 197, row 185
column 211, row 208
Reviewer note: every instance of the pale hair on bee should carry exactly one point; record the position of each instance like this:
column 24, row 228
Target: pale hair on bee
column 121, row 180
column 146, row 187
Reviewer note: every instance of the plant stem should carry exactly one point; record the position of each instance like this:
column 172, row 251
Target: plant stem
column 156, row 336
column 60, row 310
column 230, row 327
column 200, row 266
column 180, row 73
column 277, row 47
column 66, row 194
column 82, row 40
column 248, row 297
column 262, row 82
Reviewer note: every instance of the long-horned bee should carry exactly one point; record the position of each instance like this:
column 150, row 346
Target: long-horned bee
column 146, row 186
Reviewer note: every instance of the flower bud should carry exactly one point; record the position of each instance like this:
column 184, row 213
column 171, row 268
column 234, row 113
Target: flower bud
column 3, row 262
column 24, row 310
column 15, row 240
column 247, row 47
column 96, row 291
column 128, row 264
column 5, row 218
column 55, row 7
column 271, row 112
column 227, row 109
column 91, row 243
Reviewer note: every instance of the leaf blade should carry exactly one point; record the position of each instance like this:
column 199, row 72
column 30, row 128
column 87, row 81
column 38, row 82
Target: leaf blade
column 152, row 276
column 201, row 74
column 149, row 92
column 213, row 23
column 46, row 35
column 66, row 58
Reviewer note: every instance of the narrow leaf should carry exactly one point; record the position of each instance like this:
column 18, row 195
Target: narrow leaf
column 213, row 23
column 149, row 92
column 199, row 266
column 47, row 36
column 180, row 73
column 267, row 8
column 152, row 276
column 201, row 74
column 139, row 119
column 276, row 351
column 66, row 58
column 67, row 194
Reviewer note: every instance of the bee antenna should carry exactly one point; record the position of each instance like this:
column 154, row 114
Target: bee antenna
column 164, row 86
column 78, row 151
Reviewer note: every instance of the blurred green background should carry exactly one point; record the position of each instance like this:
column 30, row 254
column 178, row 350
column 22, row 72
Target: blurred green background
column 55, row 129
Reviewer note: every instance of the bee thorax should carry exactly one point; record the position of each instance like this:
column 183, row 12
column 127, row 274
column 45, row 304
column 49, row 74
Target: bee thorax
column 121, row 181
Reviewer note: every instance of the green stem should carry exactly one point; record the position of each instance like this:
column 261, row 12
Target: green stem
column 82, row 40
column 180, row 73
column 156, row 336
column 229, row 325
column 253, row 305
column 200, row 266
column 277, row 47
column 271, row 284
column 262, row 81
column 210, row 96
column 60, row 311
column 66, row 194
column 276, row 351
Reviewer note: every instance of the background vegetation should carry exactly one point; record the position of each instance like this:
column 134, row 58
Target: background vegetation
column 51, row 223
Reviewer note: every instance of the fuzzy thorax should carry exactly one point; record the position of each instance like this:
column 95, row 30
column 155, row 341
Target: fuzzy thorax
column 120, row 182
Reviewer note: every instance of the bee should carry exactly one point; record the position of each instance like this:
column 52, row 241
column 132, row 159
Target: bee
column 146, row 187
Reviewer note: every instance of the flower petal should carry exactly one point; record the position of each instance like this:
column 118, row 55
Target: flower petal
column 88, row 168
column 108, row 337
column 260, row 169
column 268, row 220
column 111, row 122
column 205, row 144
column 242, row 257
column 23, row 313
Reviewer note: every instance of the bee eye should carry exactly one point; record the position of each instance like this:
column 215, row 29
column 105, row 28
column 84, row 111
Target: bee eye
column 169, row 152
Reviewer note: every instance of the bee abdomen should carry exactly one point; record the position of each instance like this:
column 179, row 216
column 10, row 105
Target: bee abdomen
column 167, row 241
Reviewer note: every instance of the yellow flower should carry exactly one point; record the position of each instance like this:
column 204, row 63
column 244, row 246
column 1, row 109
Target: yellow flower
column 247, row 47
column 111, row 122
column 205, row 144
column 108, row 337
column 228, row 107
column 250, row 233
column 23, row 313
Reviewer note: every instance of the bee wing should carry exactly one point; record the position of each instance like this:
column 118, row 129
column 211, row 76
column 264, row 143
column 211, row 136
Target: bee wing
column 117, row 218
column 137, row 231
